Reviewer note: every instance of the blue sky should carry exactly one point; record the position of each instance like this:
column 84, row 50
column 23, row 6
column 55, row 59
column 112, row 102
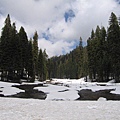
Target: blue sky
column 59, row 23
column 69, row 15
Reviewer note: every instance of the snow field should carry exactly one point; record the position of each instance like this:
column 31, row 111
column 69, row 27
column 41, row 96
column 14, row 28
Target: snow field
column 60, row 103
column 67, row 90
column 30, row 109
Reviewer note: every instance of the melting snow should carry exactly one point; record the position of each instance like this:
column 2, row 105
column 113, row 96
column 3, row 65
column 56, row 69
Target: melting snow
column 68, row 109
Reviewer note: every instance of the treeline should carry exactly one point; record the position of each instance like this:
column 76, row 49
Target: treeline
column 100, row 59
column 104, row 52
column 20, row 58
column 72, row 65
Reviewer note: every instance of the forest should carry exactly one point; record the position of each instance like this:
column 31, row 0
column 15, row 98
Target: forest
column 99, row 60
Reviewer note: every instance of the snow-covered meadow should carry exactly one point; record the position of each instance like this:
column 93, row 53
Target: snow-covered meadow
column 29, row 109
column 63, row 89
column 60, row 103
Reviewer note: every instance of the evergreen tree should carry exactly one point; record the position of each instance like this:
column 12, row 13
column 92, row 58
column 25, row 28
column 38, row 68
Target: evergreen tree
column 100, row 41
column 113, row 39
column 103, row 64
column 40, row 66
column 45, row 63
column 50, row 68
column 85, row 63
column 5, row 48
column 15, row 53
column 91, row 49
column 24, row 50
column 10, row 52
column 35, row 53
column 81, row 59
column 30, row 67
column 96, row 53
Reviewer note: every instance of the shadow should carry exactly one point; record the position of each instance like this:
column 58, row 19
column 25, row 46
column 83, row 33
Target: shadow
column 88, row 94
column 30, row 92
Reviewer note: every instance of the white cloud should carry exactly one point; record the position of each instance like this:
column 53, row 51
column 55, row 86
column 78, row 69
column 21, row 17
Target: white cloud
column 48, row 17
column 56, row 48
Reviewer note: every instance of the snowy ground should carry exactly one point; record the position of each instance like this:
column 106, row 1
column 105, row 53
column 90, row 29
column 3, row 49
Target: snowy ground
column 29, row 109
column 67, row 90
column 67, row 109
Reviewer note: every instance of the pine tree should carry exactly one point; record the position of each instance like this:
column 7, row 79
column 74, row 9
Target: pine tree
column 100, row 50
column 24, row 50
column 45, row 62
column 81, row 59
column 85, row 63
column 91, row 49
column 40, row 66
column 96, row 54
column 15, row 54
column 89, row 58
column 30, row 67
column 5, row 48
column 35, row 53
column 113, row 40
column 50, row 68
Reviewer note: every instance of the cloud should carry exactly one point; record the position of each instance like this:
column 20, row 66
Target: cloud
column 56, row 48
column 59, row 23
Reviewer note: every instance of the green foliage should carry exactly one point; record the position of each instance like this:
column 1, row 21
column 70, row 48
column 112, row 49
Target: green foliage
column 35, row 52
column 96, row 52
column 14, row 52
column 113, row 40
column 24, row 50
column 5, row 44
column 104, row 52
column 42, row 65
column 71, row 65
column 30, row 63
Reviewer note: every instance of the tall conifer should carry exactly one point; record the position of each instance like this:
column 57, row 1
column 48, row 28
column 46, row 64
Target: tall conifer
column 5, row 48
column 114, row 45
column 35, row 53
column 30, row 67
column 24, row 50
